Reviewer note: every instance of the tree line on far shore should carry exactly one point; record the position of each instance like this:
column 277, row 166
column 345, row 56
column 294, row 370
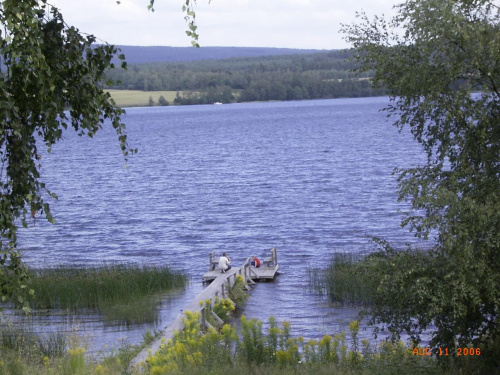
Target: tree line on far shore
column 291, row 77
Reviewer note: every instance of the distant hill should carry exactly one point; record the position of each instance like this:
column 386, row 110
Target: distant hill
column 251, row 78
column 139, row 55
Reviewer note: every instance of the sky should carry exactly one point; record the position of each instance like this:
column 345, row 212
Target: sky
column 305, row 24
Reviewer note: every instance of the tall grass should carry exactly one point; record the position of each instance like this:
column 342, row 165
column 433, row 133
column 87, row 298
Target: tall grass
column 120, row 291
column 354, row 278
column 102, row 285
column 194, row 352
column 348, row 278
column 22, row 340
column 238, row 293
column 24, row 352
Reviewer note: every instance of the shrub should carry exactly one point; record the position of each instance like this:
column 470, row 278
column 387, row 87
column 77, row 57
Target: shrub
column 238, row 293
column 276, row 352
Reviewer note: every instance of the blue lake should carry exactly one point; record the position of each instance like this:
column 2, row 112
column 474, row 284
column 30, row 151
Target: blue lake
column 310, row 178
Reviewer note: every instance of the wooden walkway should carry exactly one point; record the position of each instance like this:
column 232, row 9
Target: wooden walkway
column 267, row 271
column 219, row 287
column 256, row 274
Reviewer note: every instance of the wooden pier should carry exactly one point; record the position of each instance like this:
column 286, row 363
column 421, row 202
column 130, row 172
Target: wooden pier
column 218, row 288
column 267, row 271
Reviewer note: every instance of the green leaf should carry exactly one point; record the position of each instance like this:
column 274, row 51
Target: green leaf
column 431, row 58
column 27, row 309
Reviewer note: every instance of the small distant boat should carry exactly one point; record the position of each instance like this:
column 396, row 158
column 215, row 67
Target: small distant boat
column 217, row 103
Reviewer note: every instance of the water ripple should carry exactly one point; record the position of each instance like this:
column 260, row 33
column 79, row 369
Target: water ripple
column 310, row 177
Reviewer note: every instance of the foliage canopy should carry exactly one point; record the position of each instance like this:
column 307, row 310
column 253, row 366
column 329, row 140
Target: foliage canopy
column 440, row 62
column 51, row 79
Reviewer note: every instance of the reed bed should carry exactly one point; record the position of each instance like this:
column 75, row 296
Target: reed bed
column 23, row 340
column 352, row 279
column 25, row 352
column 121, row 292
column 101, row 285
column 348, row 279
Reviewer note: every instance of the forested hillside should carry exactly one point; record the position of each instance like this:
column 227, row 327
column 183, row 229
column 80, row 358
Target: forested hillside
column 284, row 77
column 153, row 54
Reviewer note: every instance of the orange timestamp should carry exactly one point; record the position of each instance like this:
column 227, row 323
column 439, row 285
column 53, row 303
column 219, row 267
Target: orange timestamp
column 446, row 351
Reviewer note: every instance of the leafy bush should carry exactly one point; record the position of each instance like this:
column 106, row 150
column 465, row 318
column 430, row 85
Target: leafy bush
column 238, row 293
column 276, row 352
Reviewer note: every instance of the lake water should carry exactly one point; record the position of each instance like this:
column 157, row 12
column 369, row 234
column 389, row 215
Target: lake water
column 310, row 178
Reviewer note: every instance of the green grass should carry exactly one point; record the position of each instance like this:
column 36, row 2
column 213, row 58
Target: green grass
column 194, row 352
column 253, row 351
column 137, row 98
column 274, row 352
column 23, row 352
column 348, row 278
column 22, row 340
column 122, row 292
column 353, row 279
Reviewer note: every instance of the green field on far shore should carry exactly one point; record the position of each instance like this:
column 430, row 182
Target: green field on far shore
column 137, row 98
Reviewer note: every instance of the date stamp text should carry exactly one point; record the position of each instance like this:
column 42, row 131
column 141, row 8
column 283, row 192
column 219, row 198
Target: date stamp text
column 446, row 352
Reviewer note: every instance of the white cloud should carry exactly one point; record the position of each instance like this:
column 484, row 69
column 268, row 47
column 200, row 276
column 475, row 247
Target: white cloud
column 252, row 23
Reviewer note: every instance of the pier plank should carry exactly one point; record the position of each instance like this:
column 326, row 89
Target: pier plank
column 261, row 273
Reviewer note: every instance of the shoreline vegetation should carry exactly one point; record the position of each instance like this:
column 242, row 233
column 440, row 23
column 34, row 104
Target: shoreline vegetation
column 346, row 280
column 253, row 351
column 218, row 349
column 138, row 98
column 321, row 75
column 351, row 279
column 121, row 292
column 195, row 350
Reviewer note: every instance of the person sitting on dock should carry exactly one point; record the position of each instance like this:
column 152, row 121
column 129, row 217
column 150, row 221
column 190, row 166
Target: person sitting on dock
column 255, row 262
column 224, row 263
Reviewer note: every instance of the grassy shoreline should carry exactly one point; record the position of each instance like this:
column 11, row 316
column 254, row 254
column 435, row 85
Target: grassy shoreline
column 121, row 292
column 217, row 351
column 348, row 279
column 137, row 98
